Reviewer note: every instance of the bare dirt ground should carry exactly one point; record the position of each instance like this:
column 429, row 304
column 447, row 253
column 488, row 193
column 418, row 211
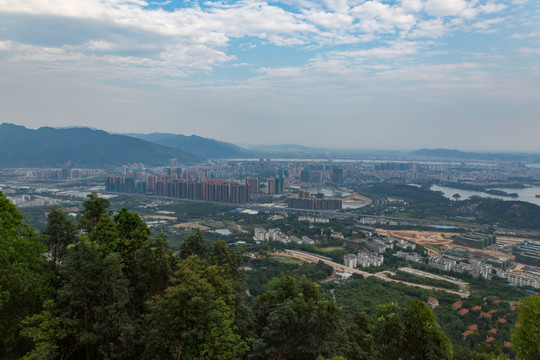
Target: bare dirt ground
column 357, row 199
column 420, row 237
column 191, row 225
column 160, row 217
column 436, row 241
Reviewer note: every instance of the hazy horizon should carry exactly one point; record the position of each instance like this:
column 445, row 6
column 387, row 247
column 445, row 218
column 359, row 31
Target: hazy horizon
column 390, row 75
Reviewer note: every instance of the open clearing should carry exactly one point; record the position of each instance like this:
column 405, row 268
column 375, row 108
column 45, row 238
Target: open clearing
column 191, row 225
column 160, row 217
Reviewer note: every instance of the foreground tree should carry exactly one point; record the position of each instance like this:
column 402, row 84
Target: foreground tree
column 88, row 318
column 410, row 334
column 194, row 319
column 526, row 338
column 93, row 209
column 24, row 279
column 58, row 234
column 294, row 322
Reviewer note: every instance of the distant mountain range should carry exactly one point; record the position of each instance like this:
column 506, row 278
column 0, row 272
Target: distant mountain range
column 80, row 147
column 202, row 147
column 461, row 155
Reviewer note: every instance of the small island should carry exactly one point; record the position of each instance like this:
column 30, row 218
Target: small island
column 501, row 193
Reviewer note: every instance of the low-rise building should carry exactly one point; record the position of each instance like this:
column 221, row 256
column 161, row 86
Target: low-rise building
column 350, row 260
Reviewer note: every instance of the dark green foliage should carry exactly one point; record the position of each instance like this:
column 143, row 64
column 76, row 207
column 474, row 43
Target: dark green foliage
column 410, row 334
column 24, row 278
column 526, row 338
column 93, row 210
column 193, row 245
column 194, row 319
column 295, row 322
column 58, row 234
column 359, row 341
column 514, row 214
column 266, row 270
column 79, row 147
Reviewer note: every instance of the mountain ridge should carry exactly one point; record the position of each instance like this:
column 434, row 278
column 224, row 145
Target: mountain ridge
column 79, row 147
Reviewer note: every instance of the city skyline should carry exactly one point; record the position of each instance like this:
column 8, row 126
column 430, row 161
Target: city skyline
column 396, row 75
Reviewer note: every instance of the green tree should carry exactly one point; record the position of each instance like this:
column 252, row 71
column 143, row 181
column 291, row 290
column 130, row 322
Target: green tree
column 359, row 344
column 24, row 279
column 410, row 334
column 93, row 209
column 194, row 319
column 526, row 338
column 58, row 234
column 295, row 322
column 94, row 295
column 193, row 245
column 105, row 233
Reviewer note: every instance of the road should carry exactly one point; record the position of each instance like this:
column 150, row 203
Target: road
column 314, row 258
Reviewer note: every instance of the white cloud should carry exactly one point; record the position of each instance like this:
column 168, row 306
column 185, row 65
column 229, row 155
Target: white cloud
column 433, row 29
column 492, row 7
column 451, row 8
column 5, row 45
column 525, row 36
column 486, row 25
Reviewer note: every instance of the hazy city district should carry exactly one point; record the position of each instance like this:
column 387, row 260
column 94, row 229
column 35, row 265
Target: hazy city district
column 453, row 231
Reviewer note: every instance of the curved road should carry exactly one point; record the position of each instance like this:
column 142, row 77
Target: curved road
column 309, row 257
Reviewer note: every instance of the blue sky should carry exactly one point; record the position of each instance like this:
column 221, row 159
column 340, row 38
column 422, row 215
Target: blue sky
column 350, row 74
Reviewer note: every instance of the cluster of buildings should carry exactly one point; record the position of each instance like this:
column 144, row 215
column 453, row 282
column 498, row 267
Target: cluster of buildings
column 275, row 185
column 261, row 234
column 475, row 240
column 475, row 268
column 519, row 279
column 305, row 200
column 410, row 256
column 312, row 219
column 527, row 253
column 363, row 259
column 374, row 258
column 61, row 174
column 206, row 189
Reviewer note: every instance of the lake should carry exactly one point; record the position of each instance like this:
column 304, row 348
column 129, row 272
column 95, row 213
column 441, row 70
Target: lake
column 527, row 194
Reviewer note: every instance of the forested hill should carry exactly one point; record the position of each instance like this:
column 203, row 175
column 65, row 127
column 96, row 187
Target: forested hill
column 199, row 146
column 79, row 147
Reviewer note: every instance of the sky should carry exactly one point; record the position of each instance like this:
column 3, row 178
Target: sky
column 392, row 75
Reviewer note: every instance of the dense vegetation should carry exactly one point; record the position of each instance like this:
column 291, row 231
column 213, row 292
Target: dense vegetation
column 422, row 203
column 105, row 288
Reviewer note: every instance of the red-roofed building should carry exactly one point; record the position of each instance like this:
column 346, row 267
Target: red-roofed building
column 490, row 339
column 476, row 308
column 486, row 315
column 466, row 333
column 518, row 325
column 432, row 302
column 513, row 308
column 473, row 327
column 457, row 305
column 497, row 302
column 492, row 311
column 507, row 344
column 463, row 312
column 502, row 320
column 492, row 331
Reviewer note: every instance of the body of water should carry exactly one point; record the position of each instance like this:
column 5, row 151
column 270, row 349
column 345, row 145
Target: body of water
column 527, row 194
